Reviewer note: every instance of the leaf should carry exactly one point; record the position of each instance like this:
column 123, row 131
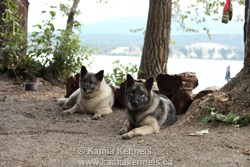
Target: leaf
column 207, row 119
column 52, row 13
column 243, row 121
column 218, row 116
column 232, row 118
column 236, row 119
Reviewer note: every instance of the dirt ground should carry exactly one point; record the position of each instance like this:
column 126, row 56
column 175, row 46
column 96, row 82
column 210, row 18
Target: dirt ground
column 34, row 133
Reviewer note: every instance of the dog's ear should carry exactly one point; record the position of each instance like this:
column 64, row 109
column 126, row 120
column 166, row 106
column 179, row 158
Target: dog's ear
column 149, row 83
column 84, row 71
column 130, row 80
column 99, row 75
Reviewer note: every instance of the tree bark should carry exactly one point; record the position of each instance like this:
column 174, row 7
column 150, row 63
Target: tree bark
column 156, row 42
column 247, row 36
column 2, row 9
column 22, row 12
column 70, row 21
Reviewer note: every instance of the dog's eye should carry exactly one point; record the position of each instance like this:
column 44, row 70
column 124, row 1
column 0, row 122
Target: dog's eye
column 142, row 94
column 83, row 80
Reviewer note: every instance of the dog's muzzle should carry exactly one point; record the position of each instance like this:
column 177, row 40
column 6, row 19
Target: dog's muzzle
column 135, row 103
column 86, row 90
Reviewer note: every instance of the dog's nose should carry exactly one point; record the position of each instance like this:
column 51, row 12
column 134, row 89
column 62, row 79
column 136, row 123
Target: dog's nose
column 135, row 103
column 84, row 89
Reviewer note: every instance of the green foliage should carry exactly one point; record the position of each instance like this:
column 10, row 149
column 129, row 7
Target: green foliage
column 68, row 55
column 120, row 72
column 13, row 58
column 43, row 40
column 230, row 118
column 52, row 53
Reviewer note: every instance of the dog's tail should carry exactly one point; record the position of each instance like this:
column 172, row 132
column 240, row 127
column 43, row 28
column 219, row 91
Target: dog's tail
column 61, row 101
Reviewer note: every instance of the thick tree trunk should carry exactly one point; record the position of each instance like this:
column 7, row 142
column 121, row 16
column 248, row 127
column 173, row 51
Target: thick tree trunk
column 156, row 43
column 247, row 36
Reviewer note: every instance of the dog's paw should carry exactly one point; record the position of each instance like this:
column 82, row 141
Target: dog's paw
column 96, row 116
column 66, row 112
column 127, row 136
column 65, row 107
column 61, row 101
column 122, row 131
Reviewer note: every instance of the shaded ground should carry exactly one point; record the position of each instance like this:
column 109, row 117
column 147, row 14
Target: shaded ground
column 34, row 133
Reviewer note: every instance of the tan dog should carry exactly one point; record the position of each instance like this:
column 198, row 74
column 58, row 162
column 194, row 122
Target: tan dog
column 94, row 96
column 146, row 111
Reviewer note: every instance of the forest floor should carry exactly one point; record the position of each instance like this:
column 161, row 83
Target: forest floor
column 34, row 133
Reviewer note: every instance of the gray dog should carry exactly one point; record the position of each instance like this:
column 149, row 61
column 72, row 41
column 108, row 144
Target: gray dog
column 146, row 111
column 94, row 95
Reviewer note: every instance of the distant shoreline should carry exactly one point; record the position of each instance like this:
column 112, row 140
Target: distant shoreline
column 220, row 46
column 169, row 57
column 209, row 72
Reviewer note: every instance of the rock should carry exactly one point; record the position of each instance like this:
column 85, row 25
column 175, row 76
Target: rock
column 205, row 92
column 189, row 80
column 201, row 107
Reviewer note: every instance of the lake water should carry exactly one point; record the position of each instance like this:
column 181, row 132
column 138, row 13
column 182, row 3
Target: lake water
column 208, row 72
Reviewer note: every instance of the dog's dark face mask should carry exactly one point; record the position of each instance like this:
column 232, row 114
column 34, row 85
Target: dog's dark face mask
column 138, row 94
column 89, row 82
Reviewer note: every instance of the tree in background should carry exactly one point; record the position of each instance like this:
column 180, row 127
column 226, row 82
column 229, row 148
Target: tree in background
column 156, row 43
column 71, row 15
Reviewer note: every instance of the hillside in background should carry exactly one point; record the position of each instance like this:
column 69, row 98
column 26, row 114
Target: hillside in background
column 113, row 37
column 125, row 24
column 221, row 46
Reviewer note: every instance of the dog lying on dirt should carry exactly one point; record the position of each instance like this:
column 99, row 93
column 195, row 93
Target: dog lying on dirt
column 146, row 112
column 94, row 95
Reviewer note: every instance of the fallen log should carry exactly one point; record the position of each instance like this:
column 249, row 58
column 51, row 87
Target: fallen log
column 178, row 88
column 72, row 84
